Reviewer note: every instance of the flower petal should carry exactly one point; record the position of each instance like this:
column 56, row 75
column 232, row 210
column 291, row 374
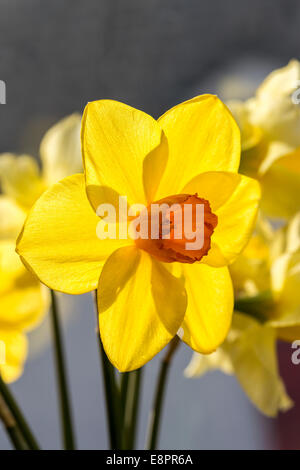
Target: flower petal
column 214, row 186
column 115, row 140
column 154, row 165
column 11, row 218
column 210, row 306
column 274, row 108
column 20, row 179
column 280, row 186
column 234, row 199
column 202, row 136
column 236, row 220
column 285, row 282
column 60, row 149
column 202, row 363
column 23, row 300
column 59, row 241
column 13, row 352
column 141, row 306
column 289, row 334
column 250, row 135
column 253, row 355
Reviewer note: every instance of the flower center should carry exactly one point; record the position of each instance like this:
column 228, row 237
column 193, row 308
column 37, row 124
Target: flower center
column 178, row 228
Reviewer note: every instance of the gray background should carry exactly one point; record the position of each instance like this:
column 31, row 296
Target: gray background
column 57, row 55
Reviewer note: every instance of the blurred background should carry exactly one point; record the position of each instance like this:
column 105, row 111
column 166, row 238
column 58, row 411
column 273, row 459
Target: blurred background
column 54, row 57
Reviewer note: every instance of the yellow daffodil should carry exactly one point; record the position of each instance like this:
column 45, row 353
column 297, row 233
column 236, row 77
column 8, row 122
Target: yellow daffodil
column 249, row 353
column 148, row 289
column 270, row 123
column 270, row 290
column 274, row 108
column 266, row 278
column 23, row 299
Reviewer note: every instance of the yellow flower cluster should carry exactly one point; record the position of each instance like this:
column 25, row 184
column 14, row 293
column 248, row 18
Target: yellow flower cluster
column 149, row 291
column 23, row 299
column 266, row 276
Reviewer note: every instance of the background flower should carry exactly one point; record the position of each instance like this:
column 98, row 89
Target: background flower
column 266, row 280
column 270, row 129
column 23, row 300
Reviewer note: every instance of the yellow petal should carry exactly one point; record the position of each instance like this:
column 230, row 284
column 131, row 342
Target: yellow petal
column 280, row 186
column 20, row 179
column 202, row 363
column 286, row 239
column 115, row 140
column 254, row 358
column 154, row 166
column 59, row 241
column 250, row 135
column 293, row 234
column 286, row 281
column 252, row 159
column 13, row 352
column 141, row 307
column 289, row 334
column 250, row 273
column 11, row 218
column 236, row 221
column 202, row 136
column 273, row 151
column 234, row 199
column 215, row 186
column 23, row 300
column 60, row 149
column 210, row 306
column 275, row 107
column 281, row 81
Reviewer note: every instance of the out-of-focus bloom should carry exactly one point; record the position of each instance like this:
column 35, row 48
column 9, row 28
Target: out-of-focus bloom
column 270, row 129
column 249, row 353
column 23, row 299
column 190, row 155
column 251, row 135
column 266, row 279
column 13, row 352
column 274, row 109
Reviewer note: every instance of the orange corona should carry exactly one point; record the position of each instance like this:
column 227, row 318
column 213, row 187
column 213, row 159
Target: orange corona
column 167, row 246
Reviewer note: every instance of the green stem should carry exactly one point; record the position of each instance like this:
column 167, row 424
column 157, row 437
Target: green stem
column 18, row 416
column 112, row 394
column 11, row 427
column 65, row 407
column 16, row 438
column 124, row 379
column 155, row 415
column 131, row 409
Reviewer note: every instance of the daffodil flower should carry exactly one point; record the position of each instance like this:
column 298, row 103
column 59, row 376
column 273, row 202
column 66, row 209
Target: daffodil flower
column 274, row 109
column 23, row 299
column 249, row 353
column 270, row 123
column 147, row 290
column 266, row 278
